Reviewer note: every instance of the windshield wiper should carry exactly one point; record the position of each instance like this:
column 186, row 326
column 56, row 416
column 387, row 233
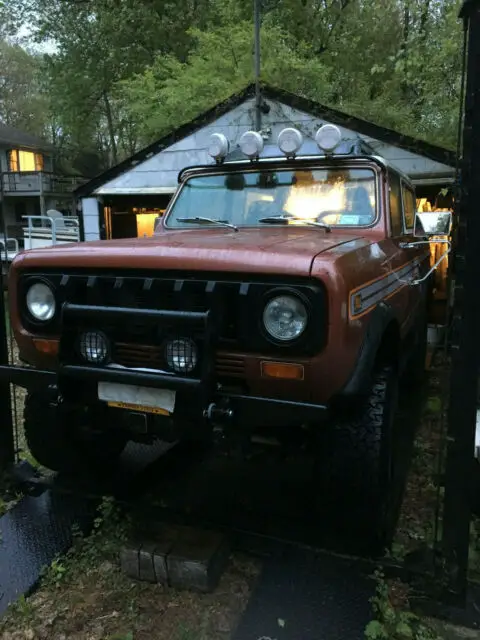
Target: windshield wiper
column 286, row 219
column 200, row 220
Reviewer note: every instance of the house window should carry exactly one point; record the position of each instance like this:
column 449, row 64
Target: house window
column 38, row 162
column 13, row 160
column 24, row 161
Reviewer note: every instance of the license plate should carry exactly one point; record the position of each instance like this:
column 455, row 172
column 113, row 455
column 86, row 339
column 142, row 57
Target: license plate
column 134, row 398
column 139, row 407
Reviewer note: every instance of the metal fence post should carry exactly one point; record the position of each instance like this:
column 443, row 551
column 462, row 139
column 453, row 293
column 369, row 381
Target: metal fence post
column 7, row 445
column 465, row 340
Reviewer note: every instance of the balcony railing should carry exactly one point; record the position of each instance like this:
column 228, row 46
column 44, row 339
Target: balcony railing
column 37, row 232
column 38, row 182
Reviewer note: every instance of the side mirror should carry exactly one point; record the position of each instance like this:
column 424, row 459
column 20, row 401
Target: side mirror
column 432, row 223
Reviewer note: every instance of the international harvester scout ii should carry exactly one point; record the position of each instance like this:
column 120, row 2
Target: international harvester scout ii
column 279, row 295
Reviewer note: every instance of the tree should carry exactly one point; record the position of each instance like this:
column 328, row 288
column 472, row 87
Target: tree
column 22, row 103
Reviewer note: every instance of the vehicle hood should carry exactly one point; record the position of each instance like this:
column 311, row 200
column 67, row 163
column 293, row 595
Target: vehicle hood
column 272, row 251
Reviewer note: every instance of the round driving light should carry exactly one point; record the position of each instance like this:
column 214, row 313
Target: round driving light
column 285, row 318
column 290, row 140
column 251, row 144
column 181, row 355
column 40, row 301
column 94, row 347
column 328, row 137
column 219, row 146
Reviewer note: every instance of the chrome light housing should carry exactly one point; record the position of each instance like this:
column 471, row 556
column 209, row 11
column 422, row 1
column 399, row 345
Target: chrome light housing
column 285, row 317
column 40, row 301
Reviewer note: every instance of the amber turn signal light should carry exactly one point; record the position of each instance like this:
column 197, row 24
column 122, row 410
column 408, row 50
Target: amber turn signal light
column 49, row 347
column 284, row 370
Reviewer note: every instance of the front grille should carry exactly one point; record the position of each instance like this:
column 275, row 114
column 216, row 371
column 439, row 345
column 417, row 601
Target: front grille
column 138, row 355
column 227, row 366
column 234, row 308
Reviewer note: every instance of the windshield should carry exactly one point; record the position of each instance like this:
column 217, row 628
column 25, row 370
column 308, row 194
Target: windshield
column 336, row 197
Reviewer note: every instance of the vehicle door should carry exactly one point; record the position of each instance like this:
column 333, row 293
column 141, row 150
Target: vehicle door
column 406, row 262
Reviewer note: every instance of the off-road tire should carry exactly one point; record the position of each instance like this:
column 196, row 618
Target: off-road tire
column 58, row 444
column 358, row 459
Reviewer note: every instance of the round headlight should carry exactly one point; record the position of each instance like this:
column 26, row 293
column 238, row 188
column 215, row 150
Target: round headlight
column 285, row 317
column 181, row 355
column 94, row 347
column 40, row 302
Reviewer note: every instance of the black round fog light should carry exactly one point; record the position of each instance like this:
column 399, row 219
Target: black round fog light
column 181, row 355
column 94, row 347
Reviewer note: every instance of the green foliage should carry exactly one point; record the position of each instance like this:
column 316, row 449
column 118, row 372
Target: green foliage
column 390, row 623
column 22, row 608
column 22, row 103
column 118, row 74
column 109, row 532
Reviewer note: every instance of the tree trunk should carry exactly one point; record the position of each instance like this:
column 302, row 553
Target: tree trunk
column 111, row 131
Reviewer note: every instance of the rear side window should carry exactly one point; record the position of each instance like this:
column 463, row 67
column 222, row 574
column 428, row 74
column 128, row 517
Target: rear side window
column 409, row 206
column 396, row 213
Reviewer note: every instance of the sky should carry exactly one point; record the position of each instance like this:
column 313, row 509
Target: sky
column 24, row 37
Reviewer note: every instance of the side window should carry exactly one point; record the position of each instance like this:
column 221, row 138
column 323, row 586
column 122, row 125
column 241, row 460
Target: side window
column 409, row 206
column 395, row 205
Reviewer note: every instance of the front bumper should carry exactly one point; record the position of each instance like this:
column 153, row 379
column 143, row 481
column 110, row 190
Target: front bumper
column 240, row 409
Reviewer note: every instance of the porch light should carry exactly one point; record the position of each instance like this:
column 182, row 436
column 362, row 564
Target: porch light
column 289, row 141
column 328, row 137
column 251, row 144
column 218, row 146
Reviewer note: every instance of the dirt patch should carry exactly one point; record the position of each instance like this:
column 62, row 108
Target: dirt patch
column 85, row 596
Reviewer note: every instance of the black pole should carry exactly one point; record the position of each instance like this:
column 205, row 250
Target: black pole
column 258, row 94
column 465, row 330
column 7, row 446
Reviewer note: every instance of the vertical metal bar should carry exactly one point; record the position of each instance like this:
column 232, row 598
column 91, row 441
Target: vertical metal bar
column 465, row 342
column 7, row 447
column 42, row 197
column 258, row 93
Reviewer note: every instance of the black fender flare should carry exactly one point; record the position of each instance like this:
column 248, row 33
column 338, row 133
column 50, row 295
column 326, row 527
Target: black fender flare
column 359, row 381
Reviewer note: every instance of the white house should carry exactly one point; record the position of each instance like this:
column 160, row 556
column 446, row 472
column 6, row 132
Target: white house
column 124, row 201
column 28, row 186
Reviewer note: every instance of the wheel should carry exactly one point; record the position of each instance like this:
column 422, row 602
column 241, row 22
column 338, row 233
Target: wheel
column 56, row 439
column 357, row 463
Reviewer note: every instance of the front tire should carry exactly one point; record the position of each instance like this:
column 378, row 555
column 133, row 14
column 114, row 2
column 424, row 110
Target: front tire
column 57, row 441
column 358, row 460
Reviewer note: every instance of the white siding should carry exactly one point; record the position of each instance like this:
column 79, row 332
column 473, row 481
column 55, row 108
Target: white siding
column 91, row 225
column 161, row 170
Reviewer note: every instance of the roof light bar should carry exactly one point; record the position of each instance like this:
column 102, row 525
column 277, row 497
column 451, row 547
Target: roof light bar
column 289, row 141
column 218, row 146
column 328, row 137
column 251, row 143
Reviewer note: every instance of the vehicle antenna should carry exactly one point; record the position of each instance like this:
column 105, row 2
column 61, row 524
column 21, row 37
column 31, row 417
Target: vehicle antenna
column 258, row 93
